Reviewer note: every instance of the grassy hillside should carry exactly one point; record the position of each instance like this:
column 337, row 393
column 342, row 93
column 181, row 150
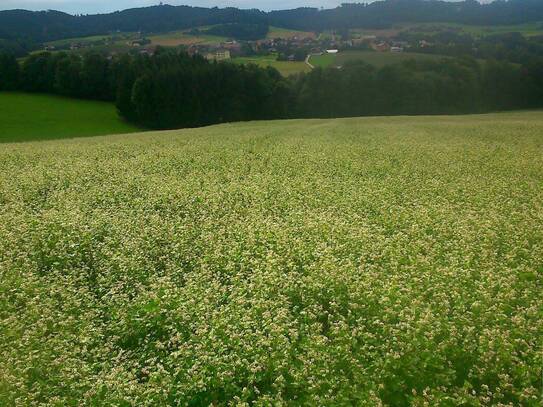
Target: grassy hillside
column 79, row 40
column 177, row 38
column 38, row 117
column 285, row 33
column 319, row 262
column 377, row 59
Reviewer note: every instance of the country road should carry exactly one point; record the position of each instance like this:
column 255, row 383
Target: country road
column 307, row 61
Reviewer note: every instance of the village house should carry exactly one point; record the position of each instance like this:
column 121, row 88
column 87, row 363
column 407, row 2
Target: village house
column 381, row 47
column 232, row 46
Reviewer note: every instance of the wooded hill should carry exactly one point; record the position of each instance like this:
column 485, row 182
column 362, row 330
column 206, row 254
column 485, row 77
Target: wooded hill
column 51, row 25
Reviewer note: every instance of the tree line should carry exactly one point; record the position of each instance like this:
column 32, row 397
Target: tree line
column 172, row 89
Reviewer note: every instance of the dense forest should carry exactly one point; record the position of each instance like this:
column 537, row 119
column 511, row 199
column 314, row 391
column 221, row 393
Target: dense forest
column 18, row 27
column 172, row 89
column 382, row 14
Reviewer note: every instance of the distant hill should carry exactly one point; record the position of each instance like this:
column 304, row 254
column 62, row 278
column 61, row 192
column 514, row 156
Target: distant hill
column 52, row 25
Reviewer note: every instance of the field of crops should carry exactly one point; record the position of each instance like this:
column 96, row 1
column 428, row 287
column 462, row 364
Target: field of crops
column 378, row 59
column 25, row 116
column 374, row 261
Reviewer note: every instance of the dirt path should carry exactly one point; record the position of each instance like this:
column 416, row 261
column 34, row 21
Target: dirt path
column 307, row 61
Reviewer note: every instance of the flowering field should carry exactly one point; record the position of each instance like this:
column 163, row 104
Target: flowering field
column 377, row 261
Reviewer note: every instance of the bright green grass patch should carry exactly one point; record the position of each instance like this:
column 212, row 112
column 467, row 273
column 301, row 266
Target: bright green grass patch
column 392, row 261
column 323, row 60
column 277, row 32
column 378, row 59
column 38, row 117
column 81, row 40
column 286, row 68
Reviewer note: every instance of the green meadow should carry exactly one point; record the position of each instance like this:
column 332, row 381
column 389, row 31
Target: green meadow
column 386, row 261
column 81, row 40
column 177, row 38
column 277, row 32
column 26, row 117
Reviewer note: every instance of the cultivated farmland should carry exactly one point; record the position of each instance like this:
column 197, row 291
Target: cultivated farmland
column 375, row 261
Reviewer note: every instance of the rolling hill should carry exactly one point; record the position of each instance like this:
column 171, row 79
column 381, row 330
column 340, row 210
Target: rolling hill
column 53, row 25
column 375, row 261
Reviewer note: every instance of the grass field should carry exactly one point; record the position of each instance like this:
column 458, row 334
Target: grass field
column 177, row 38
column 367, row 261
column 378, row 59
column 79, row 40
column 285, row 33
column 38, row 117
column 323, row 60
column 285, row 67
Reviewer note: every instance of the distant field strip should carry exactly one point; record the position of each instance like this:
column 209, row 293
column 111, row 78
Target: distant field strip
column 391, row 261
column 285, row 33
